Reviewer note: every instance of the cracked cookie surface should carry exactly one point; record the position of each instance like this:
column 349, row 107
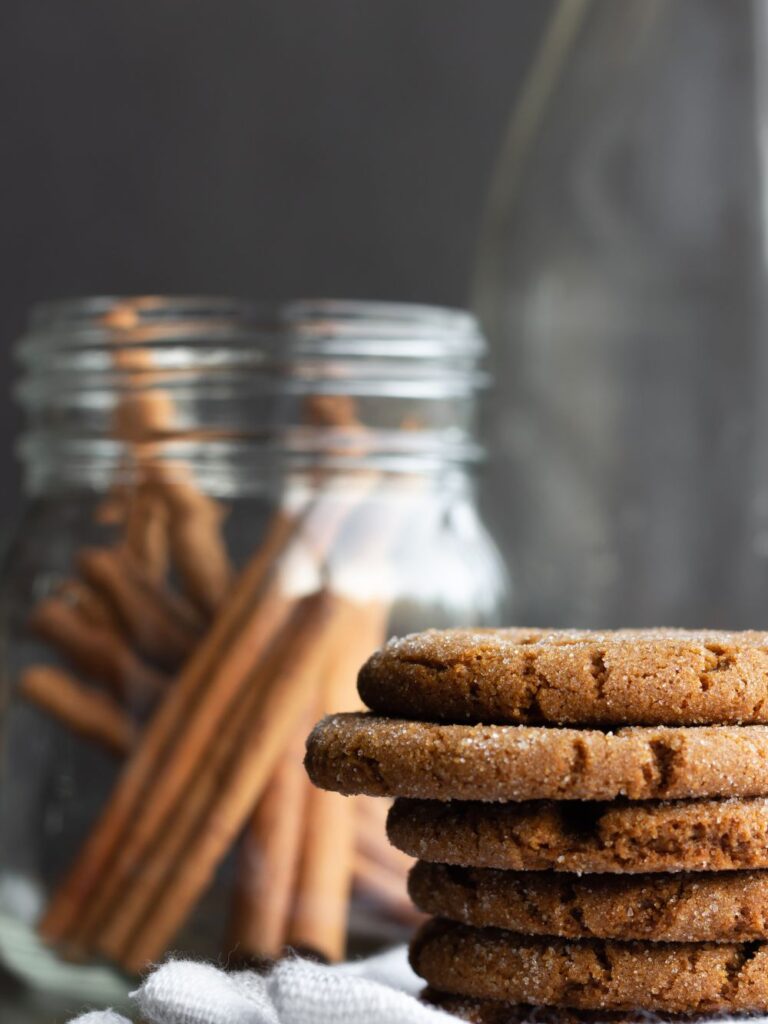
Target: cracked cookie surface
column 529, row 676
column 488, row 963
column 700, row 907
column 379, row 756
column 685, row 835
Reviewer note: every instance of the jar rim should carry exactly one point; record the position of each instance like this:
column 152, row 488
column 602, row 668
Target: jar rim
column 165, row 368
column 87, row 306
column 323, row 324
column 84, row 309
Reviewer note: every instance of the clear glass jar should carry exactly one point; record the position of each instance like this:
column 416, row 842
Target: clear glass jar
column 621, row 282
column 228, row 508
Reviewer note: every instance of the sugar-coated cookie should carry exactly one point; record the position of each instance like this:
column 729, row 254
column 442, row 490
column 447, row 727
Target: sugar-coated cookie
column 527, row 676
column 380, row 756
column 590, row 974
column 683, row 835
column 697, row 907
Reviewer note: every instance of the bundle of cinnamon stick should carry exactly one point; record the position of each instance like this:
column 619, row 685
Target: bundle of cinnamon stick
column 206, row 681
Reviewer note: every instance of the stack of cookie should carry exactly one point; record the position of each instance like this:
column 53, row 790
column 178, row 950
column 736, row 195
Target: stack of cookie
column 589, row 812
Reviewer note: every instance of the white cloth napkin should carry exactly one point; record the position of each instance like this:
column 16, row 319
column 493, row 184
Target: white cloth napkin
column 380, row 990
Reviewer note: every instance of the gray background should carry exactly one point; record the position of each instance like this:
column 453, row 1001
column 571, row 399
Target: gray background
column 259, row 147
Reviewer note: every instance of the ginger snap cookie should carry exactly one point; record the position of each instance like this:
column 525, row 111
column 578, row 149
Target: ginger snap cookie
column 591, row 974
column 685, row 835
column 527, row 676
column 701, row 907
column 494, row 1011
column 378, row 756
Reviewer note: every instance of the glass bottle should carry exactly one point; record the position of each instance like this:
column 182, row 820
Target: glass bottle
column 621, row 280
column 229, row 507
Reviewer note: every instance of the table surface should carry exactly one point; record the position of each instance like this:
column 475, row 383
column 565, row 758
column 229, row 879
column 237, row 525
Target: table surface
column 19, row 1006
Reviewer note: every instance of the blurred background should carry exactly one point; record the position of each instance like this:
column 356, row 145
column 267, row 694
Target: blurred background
column 589, row 176
column 248, row 147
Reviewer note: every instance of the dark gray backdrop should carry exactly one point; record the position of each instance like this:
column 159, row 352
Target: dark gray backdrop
column 261, row 147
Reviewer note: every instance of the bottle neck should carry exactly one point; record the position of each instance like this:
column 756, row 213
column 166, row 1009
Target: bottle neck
column 242, row 395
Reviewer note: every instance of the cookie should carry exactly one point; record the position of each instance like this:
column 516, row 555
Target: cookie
column 726, row 907
column 590, row 974
column 628, row 677
column 493, row 1011
column 378, row 756
column 686, row 835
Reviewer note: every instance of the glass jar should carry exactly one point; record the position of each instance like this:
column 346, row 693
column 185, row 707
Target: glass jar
column 621, row 283
column 229, row 507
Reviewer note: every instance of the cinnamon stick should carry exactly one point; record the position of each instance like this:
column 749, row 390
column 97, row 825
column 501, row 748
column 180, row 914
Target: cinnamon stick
column 154, row 624
column 286, row 692
column 187, row 731
column 163, row 595
column 339, row 411
column 144, row 409
column 171, row 602
column 199, row 734
column 195, row 533
column 144, row 416
column 269, row 858
column 143, row 413
column 372, row 840
column 386, row 888
column 318, row 922
column 111, row 509
column 185, row 721
column 89, row 713
column 145, row 533
column 96, row 650
column 88, row 603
